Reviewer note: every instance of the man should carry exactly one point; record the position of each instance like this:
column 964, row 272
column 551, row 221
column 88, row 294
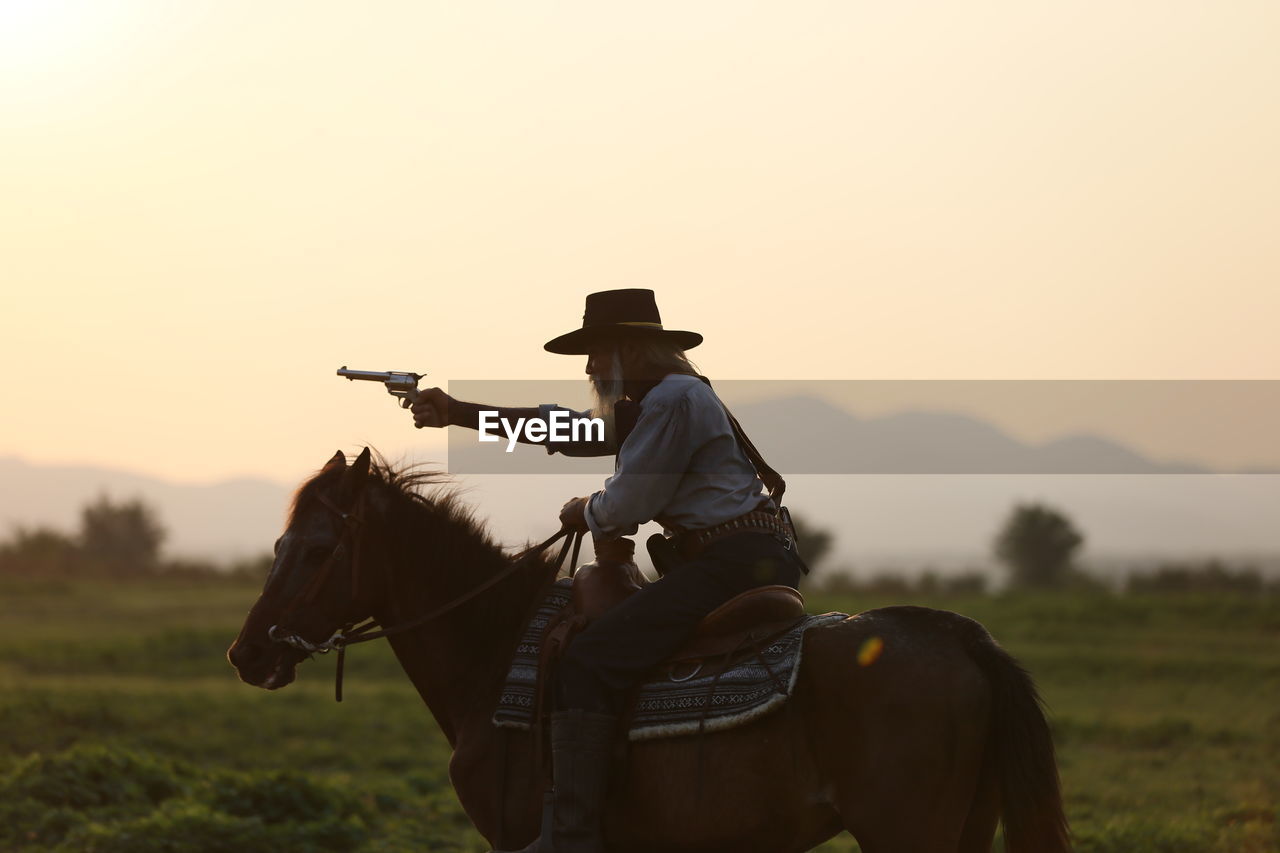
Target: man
column 679, row 462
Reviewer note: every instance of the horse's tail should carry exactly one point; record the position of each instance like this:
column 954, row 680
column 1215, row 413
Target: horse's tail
column 1021, row 749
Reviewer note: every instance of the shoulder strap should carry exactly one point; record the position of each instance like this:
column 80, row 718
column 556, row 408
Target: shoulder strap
column 772, row 479
column 626, row 414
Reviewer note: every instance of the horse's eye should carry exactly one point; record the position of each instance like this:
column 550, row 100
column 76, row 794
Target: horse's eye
column 316, row 554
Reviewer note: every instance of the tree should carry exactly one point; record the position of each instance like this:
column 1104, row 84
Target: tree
column 1038, row 543
column 815, row 542
column 39, row 552
column 121, row 538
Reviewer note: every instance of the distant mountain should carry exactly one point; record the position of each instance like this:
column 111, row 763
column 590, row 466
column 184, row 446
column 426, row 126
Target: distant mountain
column 812, row 436
column 230, row 519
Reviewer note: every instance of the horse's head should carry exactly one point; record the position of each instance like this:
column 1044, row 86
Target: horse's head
column 313, row 590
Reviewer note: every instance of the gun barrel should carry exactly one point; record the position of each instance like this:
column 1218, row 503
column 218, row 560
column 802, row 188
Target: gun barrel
column 377, row 376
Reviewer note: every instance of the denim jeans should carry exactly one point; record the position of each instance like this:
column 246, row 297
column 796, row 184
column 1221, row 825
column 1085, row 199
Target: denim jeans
column 617, row 650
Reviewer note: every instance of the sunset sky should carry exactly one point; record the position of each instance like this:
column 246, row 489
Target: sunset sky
column 207, row 208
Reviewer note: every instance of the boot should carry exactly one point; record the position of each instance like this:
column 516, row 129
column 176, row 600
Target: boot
column 581, row 746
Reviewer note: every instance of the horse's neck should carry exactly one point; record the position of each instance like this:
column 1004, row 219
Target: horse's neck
column 458, row 660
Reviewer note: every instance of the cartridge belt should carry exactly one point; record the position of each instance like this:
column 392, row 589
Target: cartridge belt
column 690, row 543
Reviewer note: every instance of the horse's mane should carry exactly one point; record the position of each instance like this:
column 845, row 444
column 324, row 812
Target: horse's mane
column 423, row 501
column 407, row 485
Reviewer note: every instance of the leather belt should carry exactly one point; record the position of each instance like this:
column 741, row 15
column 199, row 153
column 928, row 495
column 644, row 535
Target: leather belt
column 689, row 543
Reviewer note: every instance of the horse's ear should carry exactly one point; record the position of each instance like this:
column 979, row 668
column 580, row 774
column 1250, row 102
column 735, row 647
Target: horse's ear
column 354, row 479
column 360, row 468
column 338, row 460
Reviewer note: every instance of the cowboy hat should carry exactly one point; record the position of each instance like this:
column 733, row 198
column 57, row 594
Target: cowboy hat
column 616, row 314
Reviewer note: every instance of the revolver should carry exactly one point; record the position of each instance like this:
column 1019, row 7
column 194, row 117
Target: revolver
column 403, row 386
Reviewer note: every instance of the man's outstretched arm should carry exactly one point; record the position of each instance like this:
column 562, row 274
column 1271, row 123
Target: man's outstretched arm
column 435, row 408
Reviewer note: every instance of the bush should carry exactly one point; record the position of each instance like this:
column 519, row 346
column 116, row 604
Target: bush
column 185, row 827
column 281, row 796
column 1126, row 835
column 194, row 827
column 29, row 822
column 102, row 800
column 968, row 583
column 92, row 776
column 888, row 584
column 1210, row 576
column 40, row 552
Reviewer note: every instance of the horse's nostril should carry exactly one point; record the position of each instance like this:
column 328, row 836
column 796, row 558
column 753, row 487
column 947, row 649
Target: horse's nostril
column 244, row 653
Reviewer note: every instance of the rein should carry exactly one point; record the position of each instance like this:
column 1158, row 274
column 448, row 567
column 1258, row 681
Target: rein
column 353, row 633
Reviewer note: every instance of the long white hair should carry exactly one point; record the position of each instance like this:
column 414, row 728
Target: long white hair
column 629, row 360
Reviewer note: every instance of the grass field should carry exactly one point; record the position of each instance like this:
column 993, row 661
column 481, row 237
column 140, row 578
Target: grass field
column 124, row 729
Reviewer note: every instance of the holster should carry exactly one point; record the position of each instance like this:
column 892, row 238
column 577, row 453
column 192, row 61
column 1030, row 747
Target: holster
column 663, row 553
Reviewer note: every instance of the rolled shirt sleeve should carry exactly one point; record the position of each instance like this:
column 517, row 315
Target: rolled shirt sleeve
column 651, row 463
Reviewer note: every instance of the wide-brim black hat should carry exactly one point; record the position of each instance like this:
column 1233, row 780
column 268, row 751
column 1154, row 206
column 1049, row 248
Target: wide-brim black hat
column 615, row 315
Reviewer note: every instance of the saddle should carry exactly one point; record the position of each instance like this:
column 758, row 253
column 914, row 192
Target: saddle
column 734, row 630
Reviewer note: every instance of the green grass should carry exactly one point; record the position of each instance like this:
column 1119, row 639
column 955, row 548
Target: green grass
column 125, row 729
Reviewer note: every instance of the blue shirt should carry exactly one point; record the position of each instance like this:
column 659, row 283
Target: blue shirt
column 681, row 465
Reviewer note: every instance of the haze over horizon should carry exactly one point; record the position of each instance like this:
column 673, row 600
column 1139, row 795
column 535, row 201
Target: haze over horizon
column 880, row 520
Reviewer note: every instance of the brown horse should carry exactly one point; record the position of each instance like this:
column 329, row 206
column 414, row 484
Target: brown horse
column 925, row 747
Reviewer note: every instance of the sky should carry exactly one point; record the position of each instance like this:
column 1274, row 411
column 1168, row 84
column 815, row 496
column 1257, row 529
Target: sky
column 207, row 208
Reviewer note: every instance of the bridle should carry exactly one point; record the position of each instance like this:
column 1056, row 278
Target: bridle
column 352, row 633
column 351, row 523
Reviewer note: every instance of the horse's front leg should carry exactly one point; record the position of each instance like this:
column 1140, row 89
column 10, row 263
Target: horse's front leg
column 497, row 785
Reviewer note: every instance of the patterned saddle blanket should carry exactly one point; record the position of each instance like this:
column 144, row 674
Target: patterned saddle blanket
column 674, row 702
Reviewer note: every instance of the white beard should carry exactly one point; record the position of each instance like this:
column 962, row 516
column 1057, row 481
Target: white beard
column 607, row 390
